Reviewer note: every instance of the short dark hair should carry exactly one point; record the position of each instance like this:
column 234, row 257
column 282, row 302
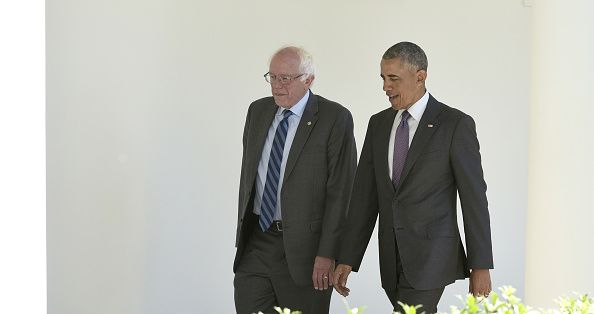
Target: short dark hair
column 409, row 53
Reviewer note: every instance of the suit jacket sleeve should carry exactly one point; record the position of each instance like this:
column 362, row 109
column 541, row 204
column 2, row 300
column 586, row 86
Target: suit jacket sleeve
column 468, row 173
column 342, row 162
column 363, row 207
column 242, row 185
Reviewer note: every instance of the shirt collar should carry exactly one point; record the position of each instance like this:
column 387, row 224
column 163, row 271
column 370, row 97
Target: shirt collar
column 298, row 108
column 417, row 109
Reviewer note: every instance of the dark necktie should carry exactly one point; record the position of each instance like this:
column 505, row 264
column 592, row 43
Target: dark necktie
column 400, row 148
column 269, row 194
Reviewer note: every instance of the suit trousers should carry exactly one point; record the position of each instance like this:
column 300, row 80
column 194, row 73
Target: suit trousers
column 406, row 294
column 262, row 279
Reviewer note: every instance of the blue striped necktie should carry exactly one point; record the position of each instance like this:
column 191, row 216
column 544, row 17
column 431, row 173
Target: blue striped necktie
column 269, row 200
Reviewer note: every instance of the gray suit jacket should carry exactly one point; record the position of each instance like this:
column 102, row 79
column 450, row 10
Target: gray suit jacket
column 316, row 185
column 420, row 213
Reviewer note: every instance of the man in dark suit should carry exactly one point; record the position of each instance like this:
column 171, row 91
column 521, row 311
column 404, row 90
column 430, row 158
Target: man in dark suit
column 298, row 165
column 417, row 156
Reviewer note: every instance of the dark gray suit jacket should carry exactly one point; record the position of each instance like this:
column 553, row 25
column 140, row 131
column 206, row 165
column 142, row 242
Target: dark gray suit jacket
column 420, row 213
column 316, row 185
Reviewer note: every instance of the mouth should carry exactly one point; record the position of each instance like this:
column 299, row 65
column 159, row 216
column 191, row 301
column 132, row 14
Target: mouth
column 392, row 97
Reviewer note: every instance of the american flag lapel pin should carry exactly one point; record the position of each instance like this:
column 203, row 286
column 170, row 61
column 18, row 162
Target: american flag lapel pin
column 429, row 125
column 308, row 122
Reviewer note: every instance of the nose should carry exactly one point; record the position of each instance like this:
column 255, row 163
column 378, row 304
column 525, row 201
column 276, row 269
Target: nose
column 386, row 86
column 275, row 84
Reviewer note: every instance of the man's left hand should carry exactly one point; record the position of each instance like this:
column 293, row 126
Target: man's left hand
column 323, row 271
column 480, row 282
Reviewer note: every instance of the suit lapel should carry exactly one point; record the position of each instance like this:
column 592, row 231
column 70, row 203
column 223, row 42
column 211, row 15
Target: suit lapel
column 306, row 124
column 383, row 144
column 261, row 125
column 427, row 127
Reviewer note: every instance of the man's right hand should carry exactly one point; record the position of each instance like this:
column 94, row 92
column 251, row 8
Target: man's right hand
column 341, row 274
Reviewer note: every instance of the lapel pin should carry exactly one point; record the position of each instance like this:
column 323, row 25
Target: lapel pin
column 429, row 125
column 308, row 122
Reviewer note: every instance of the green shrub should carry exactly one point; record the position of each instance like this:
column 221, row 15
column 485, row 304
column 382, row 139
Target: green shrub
column 508, row 303
column 504, row 303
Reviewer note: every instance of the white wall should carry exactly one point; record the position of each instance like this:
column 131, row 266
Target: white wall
column 145, row 108
column 560, row 214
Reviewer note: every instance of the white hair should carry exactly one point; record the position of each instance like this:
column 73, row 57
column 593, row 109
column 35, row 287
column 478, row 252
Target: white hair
column 306, row 64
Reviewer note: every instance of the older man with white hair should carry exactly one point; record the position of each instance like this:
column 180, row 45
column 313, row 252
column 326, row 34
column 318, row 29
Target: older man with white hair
column 299, row 160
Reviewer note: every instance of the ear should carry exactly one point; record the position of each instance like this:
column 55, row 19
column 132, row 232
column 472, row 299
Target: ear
column 309, row 80
column 421, row 76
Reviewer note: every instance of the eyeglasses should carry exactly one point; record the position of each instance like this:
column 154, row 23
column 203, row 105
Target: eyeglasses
column 283, row 79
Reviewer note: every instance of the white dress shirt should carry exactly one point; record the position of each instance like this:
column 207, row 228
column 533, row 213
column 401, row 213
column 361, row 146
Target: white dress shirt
column 294, row 119
column 416, row 112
